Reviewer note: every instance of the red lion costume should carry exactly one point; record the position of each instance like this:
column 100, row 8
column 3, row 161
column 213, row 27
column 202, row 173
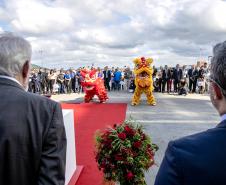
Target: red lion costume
column 92, row 86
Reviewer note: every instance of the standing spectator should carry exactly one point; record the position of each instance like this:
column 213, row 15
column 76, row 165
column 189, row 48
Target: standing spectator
column 177, row 76
column 107, row 78
column 165, row 78
column 60, row 80
column 122, row 81
column 170, row 80
column 45, row 81
column 117, row 78
column 112, row 82
column 67, row 80
column 78, row 79
column 35, row 83
column 206, row 73
column 52, row 80
column 201, row 72
column 160, row 73
column 32, row 134
column 155, row 71
column 127, row 77
column 195, row 76
column 72, row 75
column 40, row 79
column 190, row 74
column 100, row 73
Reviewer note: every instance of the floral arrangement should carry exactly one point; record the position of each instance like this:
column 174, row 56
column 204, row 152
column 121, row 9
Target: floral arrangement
column 124, row 152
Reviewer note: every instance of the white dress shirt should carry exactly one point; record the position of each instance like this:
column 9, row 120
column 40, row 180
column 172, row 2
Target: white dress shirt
column 223, row 117
column 11, row 78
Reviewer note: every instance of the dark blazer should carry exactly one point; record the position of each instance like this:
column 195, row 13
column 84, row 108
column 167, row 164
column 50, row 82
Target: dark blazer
column 190, row 72
column 198, row 159
column 32, row 138
column 166, row 74
column 107, row 75
column 177, row 75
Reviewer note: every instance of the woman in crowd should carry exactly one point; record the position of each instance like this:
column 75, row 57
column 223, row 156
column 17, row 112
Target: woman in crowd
column 51, row 80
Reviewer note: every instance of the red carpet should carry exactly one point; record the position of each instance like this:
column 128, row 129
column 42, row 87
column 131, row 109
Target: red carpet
column 89, row 118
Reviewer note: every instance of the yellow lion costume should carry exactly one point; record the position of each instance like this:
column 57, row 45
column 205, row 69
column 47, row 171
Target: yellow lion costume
column 143, row 80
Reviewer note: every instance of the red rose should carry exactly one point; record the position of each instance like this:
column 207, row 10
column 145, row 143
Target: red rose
column 122, row 136
column 105, row 135
column 103, row 164
column 137, row 144
column 118, row 157
column 143, row 137
column 129, row 176
column 107, row 143
column 129, row 131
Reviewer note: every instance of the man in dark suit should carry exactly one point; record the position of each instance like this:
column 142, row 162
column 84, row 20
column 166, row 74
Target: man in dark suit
column 107, row 78
column 177, row 76
column 32, row 134
column 200, row 159
column 165, row 78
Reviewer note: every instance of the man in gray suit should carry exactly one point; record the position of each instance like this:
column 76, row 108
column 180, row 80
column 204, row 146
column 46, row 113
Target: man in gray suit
column 32, row 134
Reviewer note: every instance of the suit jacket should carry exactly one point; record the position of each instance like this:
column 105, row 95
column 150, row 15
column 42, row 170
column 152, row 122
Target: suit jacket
column 177, row 75
column 32, row 138
column 198, row 159
column 166, row 74
column 107, row 75
column 190, row 72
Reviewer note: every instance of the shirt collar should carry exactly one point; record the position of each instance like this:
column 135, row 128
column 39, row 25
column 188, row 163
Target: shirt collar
column 223, row 117
column 11, row 78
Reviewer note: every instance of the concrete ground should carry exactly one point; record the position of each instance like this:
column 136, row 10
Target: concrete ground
column 173, row 117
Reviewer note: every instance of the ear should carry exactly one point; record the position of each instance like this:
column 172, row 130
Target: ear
column 149, row 60
column 217, row 92
column 136, row 61
column 26, row 69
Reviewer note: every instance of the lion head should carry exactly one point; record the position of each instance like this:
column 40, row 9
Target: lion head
column 89, row 79
column 143, row 71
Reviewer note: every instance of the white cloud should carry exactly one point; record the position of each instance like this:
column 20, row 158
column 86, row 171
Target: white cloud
column 75, row 33
column 35, row 17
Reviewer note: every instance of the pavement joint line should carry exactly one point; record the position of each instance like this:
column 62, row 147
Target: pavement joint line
column 176, row 121
column 168, row 112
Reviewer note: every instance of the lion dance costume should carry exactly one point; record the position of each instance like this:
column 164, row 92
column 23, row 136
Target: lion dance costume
column 93, row 85
column 143, row 80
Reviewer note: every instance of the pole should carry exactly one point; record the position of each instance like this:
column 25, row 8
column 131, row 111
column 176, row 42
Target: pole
column 41, row 52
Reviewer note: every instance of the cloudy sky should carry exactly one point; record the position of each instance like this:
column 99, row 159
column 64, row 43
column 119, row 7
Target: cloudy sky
column 72, row 33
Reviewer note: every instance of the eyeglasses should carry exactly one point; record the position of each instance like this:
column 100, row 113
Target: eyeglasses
column 210, row 79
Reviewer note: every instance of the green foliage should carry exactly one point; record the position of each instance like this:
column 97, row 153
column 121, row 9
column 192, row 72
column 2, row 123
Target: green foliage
column 124, row 152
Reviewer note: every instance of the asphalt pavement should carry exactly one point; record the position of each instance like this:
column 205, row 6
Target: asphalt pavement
column 173, row 117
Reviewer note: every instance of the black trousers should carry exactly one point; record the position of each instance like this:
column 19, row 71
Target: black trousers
column 175, row 84
column 164, row 84
column 106, row 84
column 73, row 84
column 190, row 84
column 194, row 85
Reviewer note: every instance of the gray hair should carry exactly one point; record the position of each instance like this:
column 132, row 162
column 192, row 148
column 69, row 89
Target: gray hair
column 14, row 52
column 218, row 66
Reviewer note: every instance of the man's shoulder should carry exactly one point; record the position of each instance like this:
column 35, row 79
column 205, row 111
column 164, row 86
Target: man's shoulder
column 193, row 138
column 39, row 99
column 196, row 142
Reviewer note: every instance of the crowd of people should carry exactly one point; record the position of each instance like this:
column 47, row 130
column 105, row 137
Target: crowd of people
column 46, row 81
column 182, row 80
column 178, row 79
column 32, row 132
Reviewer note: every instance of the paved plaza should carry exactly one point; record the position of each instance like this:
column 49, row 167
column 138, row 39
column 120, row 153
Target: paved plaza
column 173, row 117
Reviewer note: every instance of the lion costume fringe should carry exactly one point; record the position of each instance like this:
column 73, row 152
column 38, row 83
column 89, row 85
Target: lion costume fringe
column 92, row 86
column 143, row 80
